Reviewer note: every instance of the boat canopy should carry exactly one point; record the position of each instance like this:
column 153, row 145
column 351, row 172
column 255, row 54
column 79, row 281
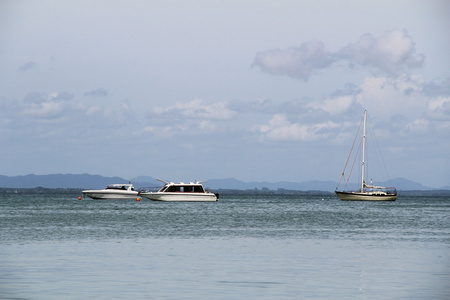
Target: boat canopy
column 120, row 187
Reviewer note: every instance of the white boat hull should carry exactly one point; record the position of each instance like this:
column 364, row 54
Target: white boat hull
column 184, row 197
column 366, row 196
column 99, row 194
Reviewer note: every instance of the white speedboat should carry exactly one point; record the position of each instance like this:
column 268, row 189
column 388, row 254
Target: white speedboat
column 181, row 192
column 113, row 191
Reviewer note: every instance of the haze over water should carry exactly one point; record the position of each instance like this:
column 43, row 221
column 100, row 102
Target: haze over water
column 259, row 246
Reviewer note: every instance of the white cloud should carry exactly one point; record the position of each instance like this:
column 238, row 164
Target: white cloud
column 437, row 88
column 197, row 109
column 296, row 62
column 193, row 117
column 60, row 96
column 393, row 54
column 385, row 97
column 93, row 110
column 279, row 128
column 334, row 106
column 119, row 112
column 163, row 131
column 439, row 109
column 207, row 126
column 397, row 106
column 45, row 110
column 37, row 98
column 417, row 126
column 46, row 106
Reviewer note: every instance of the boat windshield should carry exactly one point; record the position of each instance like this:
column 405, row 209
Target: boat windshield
column 183, row 189
column 117, row 187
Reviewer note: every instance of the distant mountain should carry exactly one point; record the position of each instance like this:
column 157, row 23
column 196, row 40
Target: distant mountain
column 87, row 181
column 145, row 181
column 78, row 181
column 58, row 181
column 406, row 185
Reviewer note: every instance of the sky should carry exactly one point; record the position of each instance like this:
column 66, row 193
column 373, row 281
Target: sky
column 196, row 90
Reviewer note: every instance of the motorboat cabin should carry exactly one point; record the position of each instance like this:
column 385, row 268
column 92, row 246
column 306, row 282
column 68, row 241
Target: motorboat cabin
column 181, row 192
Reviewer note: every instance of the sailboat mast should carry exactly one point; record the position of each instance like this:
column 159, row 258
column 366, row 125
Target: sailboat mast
column 363, row 152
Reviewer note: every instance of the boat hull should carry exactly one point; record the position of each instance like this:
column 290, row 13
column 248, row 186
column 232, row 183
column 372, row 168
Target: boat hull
column 355, row 196
column 105, row 195
column 183, row 197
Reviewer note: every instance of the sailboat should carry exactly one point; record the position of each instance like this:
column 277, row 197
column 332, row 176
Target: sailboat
column 366, row 192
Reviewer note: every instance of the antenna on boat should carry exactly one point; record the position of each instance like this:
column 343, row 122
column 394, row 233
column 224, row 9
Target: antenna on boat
column 165, row 182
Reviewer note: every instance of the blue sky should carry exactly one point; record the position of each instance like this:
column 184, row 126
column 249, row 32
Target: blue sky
column 255, row 90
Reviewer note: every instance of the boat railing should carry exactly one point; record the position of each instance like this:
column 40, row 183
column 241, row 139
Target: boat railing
column 390, row 190
column 387, row 190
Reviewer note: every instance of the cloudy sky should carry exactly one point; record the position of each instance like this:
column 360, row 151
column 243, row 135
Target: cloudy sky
column 255, row 90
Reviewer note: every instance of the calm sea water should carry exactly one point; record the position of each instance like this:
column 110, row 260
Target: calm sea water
column 242, row 247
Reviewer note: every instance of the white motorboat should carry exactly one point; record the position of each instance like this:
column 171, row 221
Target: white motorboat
column 366, row 192
column 113, row 191
column 181, row 192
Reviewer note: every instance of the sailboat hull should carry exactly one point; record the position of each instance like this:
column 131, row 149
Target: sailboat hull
column 366, row 196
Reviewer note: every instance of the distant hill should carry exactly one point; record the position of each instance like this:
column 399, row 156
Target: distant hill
column 87, row 181
column 77, row 181
column 405, row 184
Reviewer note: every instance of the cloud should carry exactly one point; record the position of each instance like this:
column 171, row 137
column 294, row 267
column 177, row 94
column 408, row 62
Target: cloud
column 61, row 96
column 398, row 107
column 37, row 98
column 417, row 126
column 262, row 106
column 64, row 117
column 197, row 109
column 100, row 92
column 27, row 66
column 296, row 62
column 439, row 109
column 46, row 106
column 119, row 112
column 45, row 110
column 393, row 54
column 280, row 128
column 387, row 98
column 437, row 88
column 334, row 106
column 194, row 116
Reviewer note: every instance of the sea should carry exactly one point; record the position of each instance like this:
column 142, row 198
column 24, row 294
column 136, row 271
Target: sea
column 245, row 246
